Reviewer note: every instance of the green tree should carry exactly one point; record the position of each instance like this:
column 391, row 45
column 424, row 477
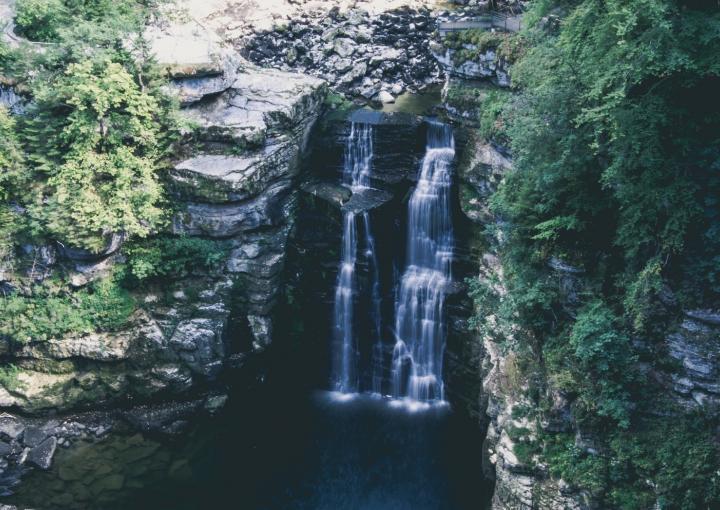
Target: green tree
column 605, row 364
column 615, row 135
column 12, row 174
column 95, row 135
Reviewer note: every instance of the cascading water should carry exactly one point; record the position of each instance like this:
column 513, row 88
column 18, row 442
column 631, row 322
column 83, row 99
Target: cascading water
column 356, row 175
column 417, row 360
column 10, row 100
column 375, row 311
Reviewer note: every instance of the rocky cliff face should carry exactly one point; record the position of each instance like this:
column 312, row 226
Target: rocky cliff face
column 687, row 381
column 694, row 383
column 251, row 127
column 236, row 181
column 520, row 484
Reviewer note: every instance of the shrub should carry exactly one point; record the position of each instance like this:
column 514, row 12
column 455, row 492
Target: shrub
column 173, row 257
column 40, row 20
column 53, row 311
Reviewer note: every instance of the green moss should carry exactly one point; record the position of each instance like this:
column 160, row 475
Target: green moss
column 9, row 377
column 337, row 107
column 470, row 44
column 484, row 103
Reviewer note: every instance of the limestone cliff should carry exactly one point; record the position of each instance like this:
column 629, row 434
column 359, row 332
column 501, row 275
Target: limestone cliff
column 235, row 180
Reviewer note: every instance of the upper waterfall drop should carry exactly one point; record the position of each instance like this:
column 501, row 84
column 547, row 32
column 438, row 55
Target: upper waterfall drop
column 420, row 323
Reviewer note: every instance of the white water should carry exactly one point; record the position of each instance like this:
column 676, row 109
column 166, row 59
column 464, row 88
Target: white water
column 11, row 101
column 356, row 174
column 376, row 306
column 420, row 328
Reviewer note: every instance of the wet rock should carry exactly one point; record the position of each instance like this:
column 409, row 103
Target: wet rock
column 331, row 192
column 215, row 403
column 261, row 328
column 10, row 427
column 366, row 200
column 34, row 436
column 42, row 455
column 112, row 482
column 164, row 418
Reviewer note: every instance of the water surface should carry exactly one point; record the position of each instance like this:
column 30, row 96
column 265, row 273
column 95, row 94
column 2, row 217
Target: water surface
column 310, row 452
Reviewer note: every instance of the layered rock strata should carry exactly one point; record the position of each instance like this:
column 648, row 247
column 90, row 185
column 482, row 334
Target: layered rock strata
column 237, row 182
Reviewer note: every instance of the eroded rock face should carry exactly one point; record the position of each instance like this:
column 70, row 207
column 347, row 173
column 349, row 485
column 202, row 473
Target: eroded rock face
column 168, row 348
column 520, row 483
column 480, row 173
column 485, row 65
column 242, row 185
column 694, row 346
column 236, row 182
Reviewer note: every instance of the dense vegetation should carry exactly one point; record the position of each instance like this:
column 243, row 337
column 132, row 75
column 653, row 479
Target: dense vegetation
column 615, row 133
column 83, row 164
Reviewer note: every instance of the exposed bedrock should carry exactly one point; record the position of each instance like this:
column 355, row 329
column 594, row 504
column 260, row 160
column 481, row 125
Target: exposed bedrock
column 688, row 380
column 237, row 180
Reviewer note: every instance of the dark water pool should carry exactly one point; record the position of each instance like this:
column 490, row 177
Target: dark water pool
column 305, row 452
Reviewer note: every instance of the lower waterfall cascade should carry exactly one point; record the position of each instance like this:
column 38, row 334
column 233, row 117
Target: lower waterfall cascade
column 420, row 328
column 414, row 371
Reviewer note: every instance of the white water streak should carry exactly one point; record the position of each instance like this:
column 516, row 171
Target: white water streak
column 420, row 327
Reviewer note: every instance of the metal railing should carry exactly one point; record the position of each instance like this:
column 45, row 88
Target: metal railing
column 492, row 20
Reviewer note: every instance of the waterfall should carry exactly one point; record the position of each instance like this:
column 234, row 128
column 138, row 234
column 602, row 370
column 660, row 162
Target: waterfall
column 375, row 310
column 356, row 174
column 420, row 328
column 10, row 100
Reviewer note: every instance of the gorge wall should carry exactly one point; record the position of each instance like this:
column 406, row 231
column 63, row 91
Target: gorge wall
column 234, row 184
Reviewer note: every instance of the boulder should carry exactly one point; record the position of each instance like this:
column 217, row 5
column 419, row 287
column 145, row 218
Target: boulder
column 385, row 97
column 10, row 427
column 344, row 47
column 42, row 455
column 334, row 193
column 364, row 200
column 357, row 72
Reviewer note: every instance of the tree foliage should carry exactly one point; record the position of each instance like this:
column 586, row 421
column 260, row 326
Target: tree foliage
column 99, row 126
column 94, row 134
column 615, row 135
